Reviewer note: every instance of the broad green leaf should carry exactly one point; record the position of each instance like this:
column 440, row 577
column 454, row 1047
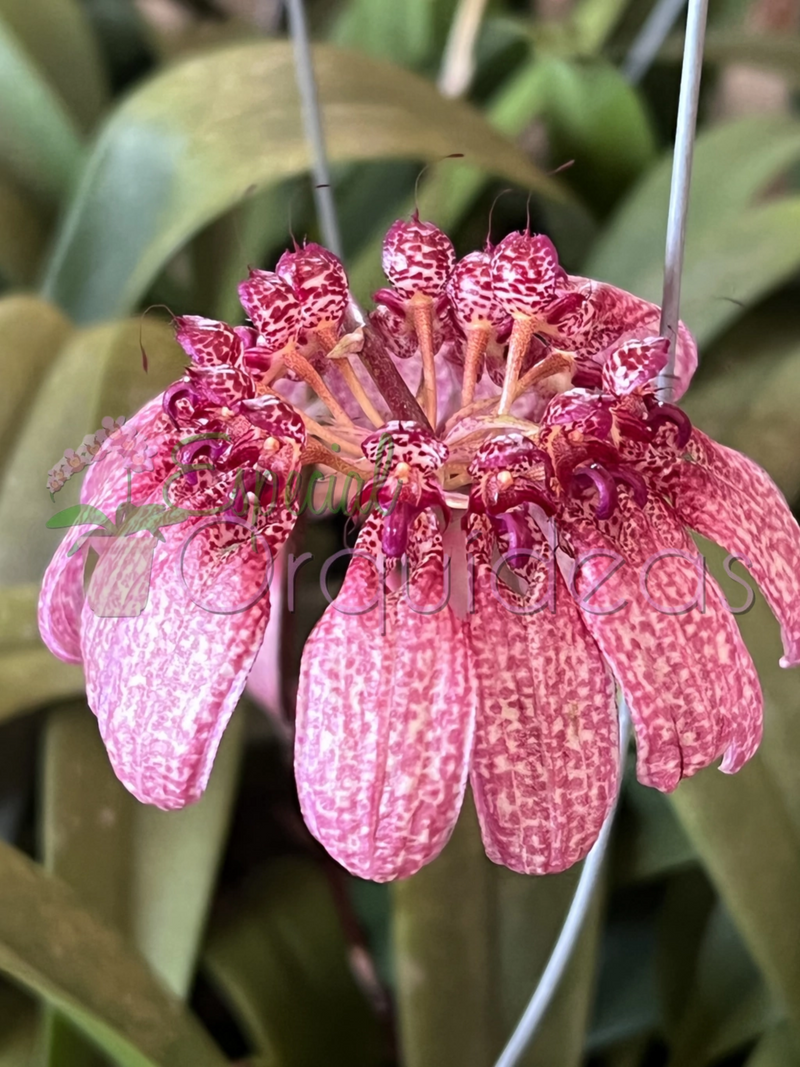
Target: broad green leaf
column 97, row 373
column 175, row 861
column 411, row 33
column 148, row 873
column 39, row 144
column 32, row 677
column 17, row 1027
column 649, row 840
column 687, row 904
column 23, row 234
column 468, row 961
column 59, row 40
column 596, row 119
column 735, row 252
column 626, row 1003
column 31, row 334
column 448, row 979
column 778, row 1048
column 592, row 21
column 52, row 946
column 750, row 848
column 190, row 143
column 18, row 626
column 727, row 1003
column 529, row 916
column 279, row 957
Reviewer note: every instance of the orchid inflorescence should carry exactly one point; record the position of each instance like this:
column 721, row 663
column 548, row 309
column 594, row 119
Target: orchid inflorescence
column 480, row 632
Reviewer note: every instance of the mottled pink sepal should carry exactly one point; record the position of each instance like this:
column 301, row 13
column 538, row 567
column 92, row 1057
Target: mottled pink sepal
column 385, row 717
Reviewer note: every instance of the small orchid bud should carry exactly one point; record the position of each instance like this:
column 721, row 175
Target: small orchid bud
column 273, row 308
column 319, row 283
column 206, row 341
column 471, row 293
column 526, row 273
column 417, row 258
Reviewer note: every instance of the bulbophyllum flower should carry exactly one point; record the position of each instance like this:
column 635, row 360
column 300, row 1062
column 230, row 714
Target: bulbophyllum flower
column 523, row 554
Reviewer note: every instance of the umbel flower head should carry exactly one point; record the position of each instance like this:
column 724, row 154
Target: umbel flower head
column 524, row 493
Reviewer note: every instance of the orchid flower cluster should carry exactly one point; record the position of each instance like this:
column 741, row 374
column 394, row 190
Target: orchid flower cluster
column 480, row 633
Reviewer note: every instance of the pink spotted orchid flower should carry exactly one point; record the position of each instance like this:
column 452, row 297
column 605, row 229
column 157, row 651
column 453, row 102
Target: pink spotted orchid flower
column 523, row 555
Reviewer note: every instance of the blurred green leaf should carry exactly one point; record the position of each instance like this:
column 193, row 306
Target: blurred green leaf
column 727, row 1003
column 529, row 915
column 52, row 946
column 191, row 143
column 626, row 1003
column 595, row 118
column 33, row 677
column 23, row 234
column 31, row 334
column 411, row 33
column 687, row 904
column 776, row 52
column 746, row 840
column 448, row 977
column 18, row 626
column 17, row 1027
column 39, row 144
column 149, row 873
column 593, row 20
column 649, row 841
column 98, row 372
column 778, row 1048
column 467, row 962
column 735, row 252
column 278, row 955
column 59, row 40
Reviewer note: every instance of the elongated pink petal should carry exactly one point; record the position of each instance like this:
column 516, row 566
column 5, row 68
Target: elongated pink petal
column 385, row 719
column 728, row 498
column 105, row 486
column 61, row 601
column 685, row 672
column 164, row 683
column 612, row 316
column 546, row 759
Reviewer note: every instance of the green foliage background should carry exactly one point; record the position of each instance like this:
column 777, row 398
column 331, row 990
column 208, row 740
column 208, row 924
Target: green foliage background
column 148, row 154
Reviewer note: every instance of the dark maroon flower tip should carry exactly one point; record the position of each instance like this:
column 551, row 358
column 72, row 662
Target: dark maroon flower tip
column 603, row 481
column 661, row 414
column 180, row 399
column 514, row 527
